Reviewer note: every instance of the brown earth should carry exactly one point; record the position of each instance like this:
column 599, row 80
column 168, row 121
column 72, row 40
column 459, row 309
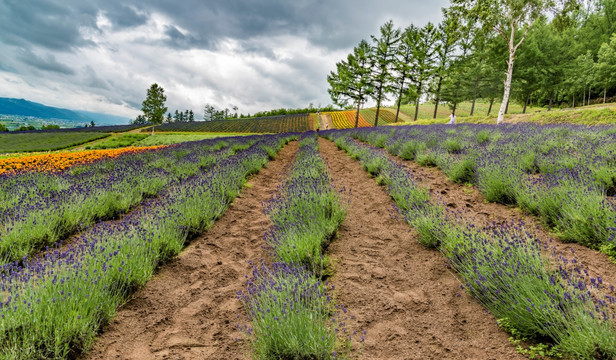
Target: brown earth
column 468, row 202
column 189, row 310
column 401, row 293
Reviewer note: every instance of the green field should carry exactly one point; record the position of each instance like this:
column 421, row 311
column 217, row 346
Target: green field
column 29, row 142
column 175, row 138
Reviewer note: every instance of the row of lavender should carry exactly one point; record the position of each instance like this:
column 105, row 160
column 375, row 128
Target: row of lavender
column 565, row 174
column 51, row 307
column 546, row 298
column 38, row 209
column 291, row 313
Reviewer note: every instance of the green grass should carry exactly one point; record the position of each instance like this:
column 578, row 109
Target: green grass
column 31, row 142
column 587, row 115
column 175, row 138
column 119, row 141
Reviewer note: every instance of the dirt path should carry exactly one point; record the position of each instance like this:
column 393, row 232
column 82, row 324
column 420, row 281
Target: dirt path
column 411, row 306
column 189, row 309
column 326, row 119
column 472, row 206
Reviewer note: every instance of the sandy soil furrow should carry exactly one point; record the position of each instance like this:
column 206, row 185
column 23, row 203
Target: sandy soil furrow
column 401, row 293
column 189, row 309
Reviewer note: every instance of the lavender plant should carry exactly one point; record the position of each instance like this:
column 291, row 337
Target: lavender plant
column 53, row 306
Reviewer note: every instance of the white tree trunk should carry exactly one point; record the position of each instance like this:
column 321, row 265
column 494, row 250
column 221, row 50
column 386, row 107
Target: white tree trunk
column 501, row 112
column 512, row 48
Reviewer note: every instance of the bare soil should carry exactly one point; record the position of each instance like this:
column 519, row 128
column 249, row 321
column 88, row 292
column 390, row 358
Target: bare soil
column 402, row 294
column 189, row 310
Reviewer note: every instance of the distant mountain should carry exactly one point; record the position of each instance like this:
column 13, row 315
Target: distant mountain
column 21, row 107
column 104, row 119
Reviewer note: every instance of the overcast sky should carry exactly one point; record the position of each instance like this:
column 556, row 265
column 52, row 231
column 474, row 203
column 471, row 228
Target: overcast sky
column 255, row 54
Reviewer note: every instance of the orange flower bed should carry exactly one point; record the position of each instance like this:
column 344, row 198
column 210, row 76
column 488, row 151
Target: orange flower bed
column 60, row 161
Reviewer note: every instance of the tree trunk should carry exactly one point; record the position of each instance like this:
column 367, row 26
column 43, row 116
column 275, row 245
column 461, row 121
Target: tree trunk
column 573, row 96
column 505, row 104
column 526, row 102
column 400, row 98
column 604, row 94
column 551, row 99
column 455, row 105
column 357, row 114
column 378, row 106
column 474, row 96
column 417, row 101
column 438, row 94
column 490, row 108
column 507, row 107
column 589, row 91
column 584, row 97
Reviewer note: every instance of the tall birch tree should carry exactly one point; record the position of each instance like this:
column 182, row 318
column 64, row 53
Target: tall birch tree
column 511, row 20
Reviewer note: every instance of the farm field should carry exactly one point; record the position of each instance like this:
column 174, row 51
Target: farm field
column 346, row 119
column 45, row 141
column 350, row 231
column 271, row 124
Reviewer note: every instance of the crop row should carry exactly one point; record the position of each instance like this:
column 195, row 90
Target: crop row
column 563, row 174
column 53, row 306
column 346, row 119
column 533, row 295
column 270, row 124
column 38, row 209
column 60, row 161
column 291, row 312
column 385, row 116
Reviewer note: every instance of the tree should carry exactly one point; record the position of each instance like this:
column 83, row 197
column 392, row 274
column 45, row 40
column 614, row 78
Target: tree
column 605, row 68
column 91, row 123
column 191, row 116
column 153, row 106
column 169, row 119
column 448, row 34
column 383, row 54
column 140, row 120
column 403, row 63
column 506, row 17
column 3, row 128
column 45, row 127
column 423, row 60
column 352, row 79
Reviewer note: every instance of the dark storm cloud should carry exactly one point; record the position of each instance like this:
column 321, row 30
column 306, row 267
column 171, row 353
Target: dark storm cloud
column 47, row 63
column 51, row 24
column 124, row 16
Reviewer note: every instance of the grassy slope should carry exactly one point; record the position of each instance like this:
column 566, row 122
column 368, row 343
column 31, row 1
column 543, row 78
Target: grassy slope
column 587, row 115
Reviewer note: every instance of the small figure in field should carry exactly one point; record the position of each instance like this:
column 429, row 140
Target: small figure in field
column 452, row 118
column 326, row 126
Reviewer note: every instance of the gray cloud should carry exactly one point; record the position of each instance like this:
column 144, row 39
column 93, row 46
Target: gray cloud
column 48, row 63
column 258, row 54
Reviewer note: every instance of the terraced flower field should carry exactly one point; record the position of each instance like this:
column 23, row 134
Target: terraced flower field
column 346, row 119
column 317, row 247
column 264, row 125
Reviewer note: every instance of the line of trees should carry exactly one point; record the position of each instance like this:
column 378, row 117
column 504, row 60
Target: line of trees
column 541, row 52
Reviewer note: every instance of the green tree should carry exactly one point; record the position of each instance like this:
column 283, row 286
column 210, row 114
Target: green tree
column 605, row 68
column 169, row 119
column 506, row 18
column 403, row 69
column 383, row 55
column 191, row 116
column 140, row 120
column 352, row 79
column 153, row 106
column 423, row 61
column 48, row 127
column 447, row 35
column 3, row 128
